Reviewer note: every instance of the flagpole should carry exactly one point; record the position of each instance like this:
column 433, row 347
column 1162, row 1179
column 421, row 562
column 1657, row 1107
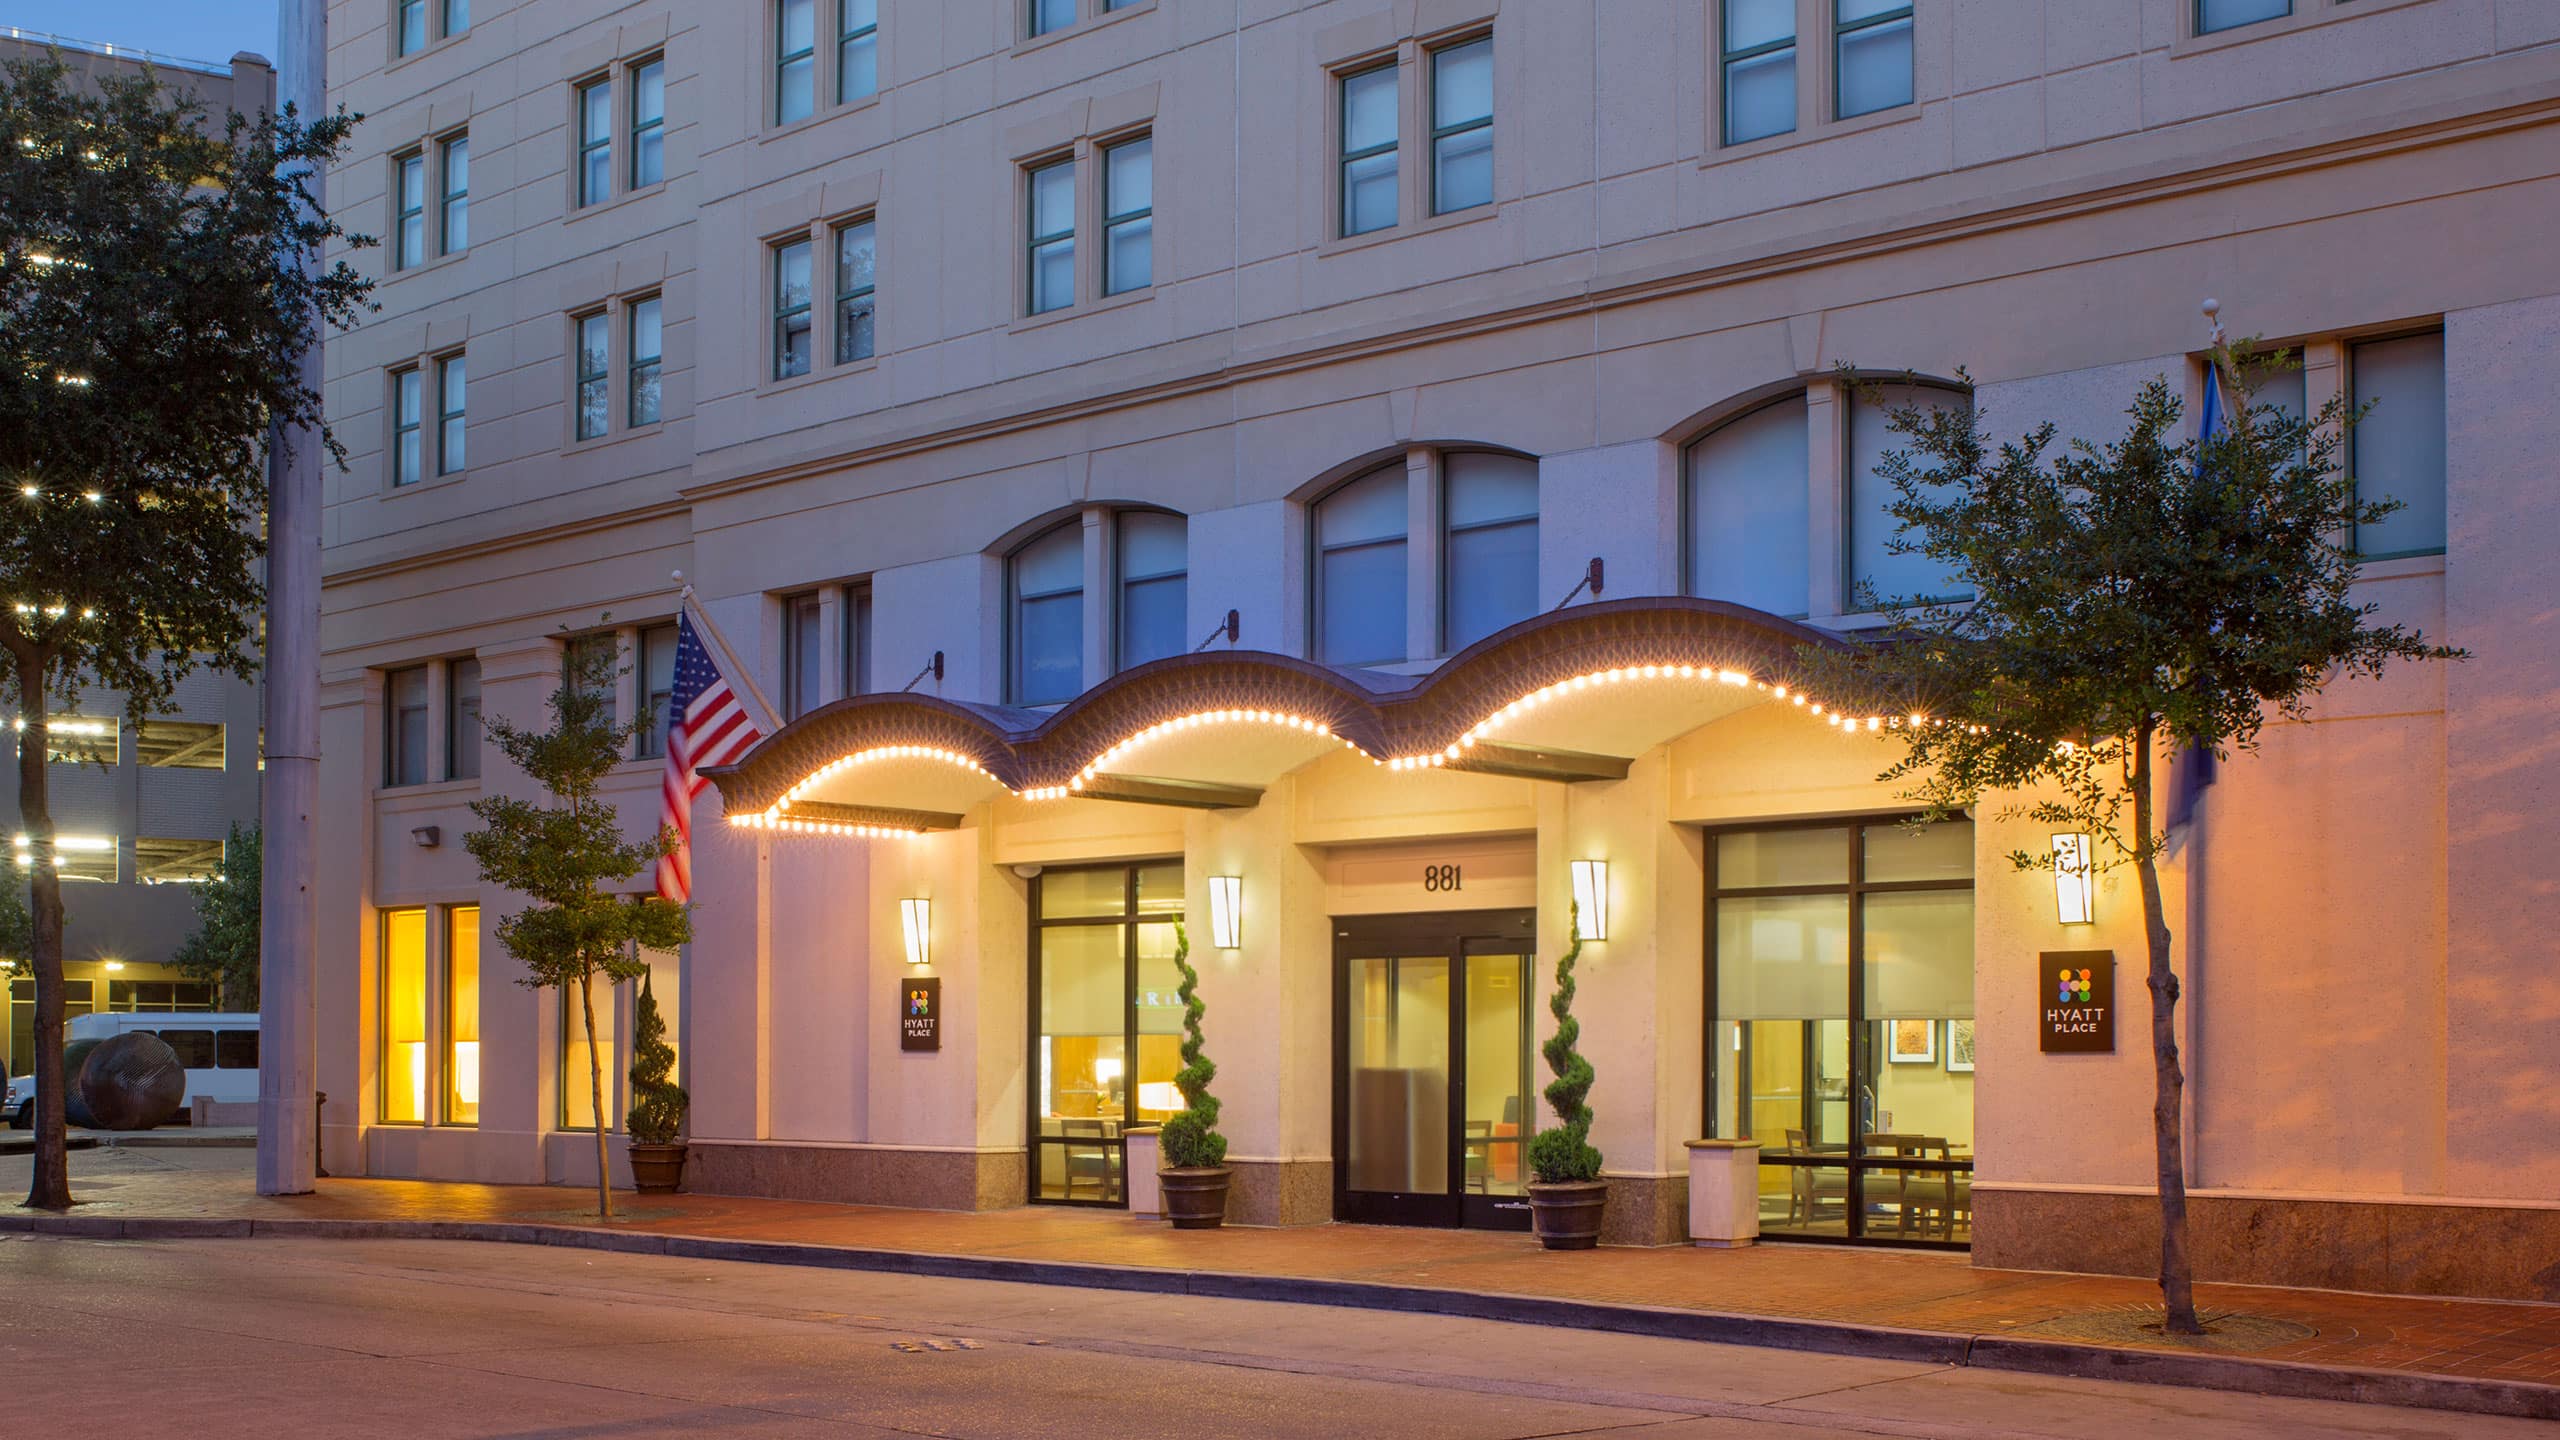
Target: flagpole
column 736, row 667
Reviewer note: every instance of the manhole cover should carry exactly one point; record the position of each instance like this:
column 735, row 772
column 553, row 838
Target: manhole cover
column 2226, row 1332
column 932, row 1347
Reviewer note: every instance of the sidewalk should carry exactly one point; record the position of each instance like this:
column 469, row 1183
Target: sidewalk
column 2486, row 1356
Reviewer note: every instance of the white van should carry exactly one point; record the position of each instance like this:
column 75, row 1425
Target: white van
column 220, row 1051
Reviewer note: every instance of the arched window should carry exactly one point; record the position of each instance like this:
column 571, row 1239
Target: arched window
column 1360, row 570
column 1154, row 582
column 1872, row 527
column 1750, row 509
column 1489, row 559
column 1045, row 627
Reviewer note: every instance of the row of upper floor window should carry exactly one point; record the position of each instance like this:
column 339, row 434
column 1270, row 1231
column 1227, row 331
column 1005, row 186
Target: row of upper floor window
column 102, row 859
column 160, row 742
column 1428, row 551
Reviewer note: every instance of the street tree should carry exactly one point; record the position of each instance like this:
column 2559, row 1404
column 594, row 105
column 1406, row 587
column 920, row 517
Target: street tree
column 563, row 853
column 223, row 950
column 2129, row 601
column 150, row 325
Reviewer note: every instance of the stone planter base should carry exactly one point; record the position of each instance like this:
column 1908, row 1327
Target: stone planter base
column 656, row 1169
column 1567, row 1217
column 1195, row 1199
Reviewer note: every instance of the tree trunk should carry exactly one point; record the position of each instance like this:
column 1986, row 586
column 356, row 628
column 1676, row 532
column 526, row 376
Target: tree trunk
column 595, row 1092
column 2177, row 1270
column 50, row 1189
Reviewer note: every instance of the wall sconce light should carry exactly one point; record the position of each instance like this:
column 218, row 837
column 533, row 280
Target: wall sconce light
column 1591, row 899
column 427, row 836
column 916, row 918
column 2075, row 881
column 1226, row 911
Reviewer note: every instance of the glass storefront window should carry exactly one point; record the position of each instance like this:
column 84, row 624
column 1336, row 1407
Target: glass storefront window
column 1107, row 1028
column 462, row 1015
column 577, row 1084
column 403, row 1076
column 1841, row 974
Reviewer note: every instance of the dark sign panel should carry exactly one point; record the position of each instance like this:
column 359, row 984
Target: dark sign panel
column 2076, row 1002
column 920, row 1013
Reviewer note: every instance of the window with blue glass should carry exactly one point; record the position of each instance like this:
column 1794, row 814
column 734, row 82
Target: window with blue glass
column 1045, row 633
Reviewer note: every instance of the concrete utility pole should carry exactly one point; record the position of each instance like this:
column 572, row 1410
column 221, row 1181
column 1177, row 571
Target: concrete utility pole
column 289, row 942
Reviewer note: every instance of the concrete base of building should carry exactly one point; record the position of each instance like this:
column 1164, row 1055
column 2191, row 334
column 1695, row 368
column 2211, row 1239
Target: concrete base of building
column 916, row 1179
column 2414, row 1247
column 1646, row 1210
column 1280, row 1192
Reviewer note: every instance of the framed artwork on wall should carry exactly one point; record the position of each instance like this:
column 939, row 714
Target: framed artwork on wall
column 1911, row 1042
column 1960, row 1047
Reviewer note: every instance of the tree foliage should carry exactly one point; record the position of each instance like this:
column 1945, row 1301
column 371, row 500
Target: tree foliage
column 1191, row 1139
column 223, row 950
column 153, row 311
column 562, row 854
column 658, row 1103
column 1563, row 1153
column 2129, row 599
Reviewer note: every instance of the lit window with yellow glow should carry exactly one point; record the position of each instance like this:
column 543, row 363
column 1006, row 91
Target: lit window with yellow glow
column 402, row 1074
column 462, row 1015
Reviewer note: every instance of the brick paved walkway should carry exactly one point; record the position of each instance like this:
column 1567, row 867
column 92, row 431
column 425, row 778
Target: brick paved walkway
column 1933, row 1292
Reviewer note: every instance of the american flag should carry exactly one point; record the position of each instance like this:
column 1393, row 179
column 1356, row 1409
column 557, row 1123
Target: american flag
column 706, row 726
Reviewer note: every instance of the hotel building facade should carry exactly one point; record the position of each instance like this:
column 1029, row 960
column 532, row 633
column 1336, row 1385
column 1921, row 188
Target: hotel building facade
column 1343, row 476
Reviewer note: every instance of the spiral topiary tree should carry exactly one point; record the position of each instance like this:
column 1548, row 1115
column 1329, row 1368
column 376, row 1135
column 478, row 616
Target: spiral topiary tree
column 658, row 1103
column 1563, row 1154
column 1191, row 1139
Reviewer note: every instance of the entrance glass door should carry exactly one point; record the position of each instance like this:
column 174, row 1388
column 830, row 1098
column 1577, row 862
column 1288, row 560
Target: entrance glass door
column 1431, row 1064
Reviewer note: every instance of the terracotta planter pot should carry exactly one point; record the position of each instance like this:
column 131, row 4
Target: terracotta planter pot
column 1567, row 1216
column 1195, row 1199
column 656, row 1169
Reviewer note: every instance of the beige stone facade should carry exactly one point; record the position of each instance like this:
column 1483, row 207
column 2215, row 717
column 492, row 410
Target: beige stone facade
column 1638, row 329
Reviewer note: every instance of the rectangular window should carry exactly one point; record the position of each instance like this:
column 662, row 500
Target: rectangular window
column 648, row 339
column 412, row 21
column 857, row 267
column 595, row 142
column 409, row 183
column 1462, row 126
column 75, row 857
column 1155, row 564
column 1128, row 216
column 235, row 1049
column 2397, row 450
column 403, row 1076
column 177, row 744
column 450, row 427
column 791, row 309
column 462, row 1015
column 648, row 123
column 457, row 17
column 1048, row 16
column 1046, row 626
column 173, row 860
column 1369, row 150
column 857, row 49
column 795, row 64
column 2212, row 15
column 1840, row 980
column 404, row 754
column 1489, row 553
column 455, row 157
column 657, row 686
column 1874, row 55
column 1872, row 527
column 601, row 655
column 578, row 1082
column 80, row 740
column 193, row 1048
column 1053, row 237
column 857, row 639
column 595, row 344
column 1105, row 1022
column 1360, row 570
column 1759, row 69
column 1751, row 512
column 802, row 620
column 407, row 406
column 462, row 720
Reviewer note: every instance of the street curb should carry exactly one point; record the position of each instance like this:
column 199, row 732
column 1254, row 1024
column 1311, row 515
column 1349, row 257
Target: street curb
column 2062, row 1358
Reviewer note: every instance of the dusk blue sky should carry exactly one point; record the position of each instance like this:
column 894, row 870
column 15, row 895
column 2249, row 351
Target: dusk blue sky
column 205, row 30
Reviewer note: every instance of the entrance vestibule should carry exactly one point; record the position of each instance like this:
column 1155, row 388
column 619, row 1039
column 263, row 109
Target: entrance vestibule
column 1431, row 1100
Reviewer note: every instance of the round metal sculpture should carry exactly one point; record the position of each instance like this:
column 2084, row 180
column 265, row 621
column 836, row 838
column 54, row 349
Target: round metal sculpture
column 129, row 1082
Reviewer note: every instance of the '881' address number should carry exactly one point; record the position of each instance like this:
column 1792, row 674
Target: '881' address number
column 1436, row 878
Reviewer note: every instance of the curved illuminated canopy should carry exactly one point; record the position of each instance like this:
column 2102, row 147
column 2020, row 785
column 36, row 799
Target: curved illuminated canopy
column 1570, row 695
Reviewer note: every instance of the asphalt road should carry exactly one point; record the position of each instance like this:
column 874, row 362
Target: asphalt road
column 417, row 1338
